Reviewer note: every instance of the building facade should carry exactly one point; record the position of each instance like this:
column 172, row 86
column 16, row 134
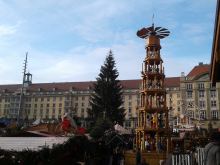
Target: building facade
column 200, row 101
column 191, row 99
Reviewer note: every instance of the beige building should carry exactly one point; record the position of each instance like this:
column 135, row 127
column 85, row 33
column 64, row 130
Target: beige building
column 200, row 100
column 190, row 99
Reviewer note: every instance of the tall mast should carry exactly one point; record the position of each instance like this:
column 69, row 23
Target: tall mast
column 22, row 91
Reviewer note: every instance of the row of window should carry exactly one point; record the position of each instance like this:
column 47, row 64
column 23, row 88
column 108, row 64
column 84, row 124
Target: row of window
column 28, row 111
column 202, row 115
column 28, row 99
column 189, row 94
column 189, row 86
column 202, row 104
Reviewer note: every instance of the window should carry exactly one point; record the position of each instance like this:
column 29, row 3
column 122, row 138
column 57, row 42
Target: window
column 36, row 99
column 61, row 98
column 129, row 109
column 188, row 86
column 47, row 111
column 66, row 104
column 48, row 99
column 170, row 95
column 76, row 98
column 54, row 105
column 48, row 105
column 41, row 99
column 82, row 112
column 202, row 115
column 201, row 104
column 60, row 104
column 189, row 94
column 130, row 103
column 76, row 104
column 53, row 110
column 191, row 114
column 201, row 86
column 54, row 98
column 41, row 105
column 130, row 97
column 213, row 103
column 82, row 104
column 214, row 115
column 83, row 98
column 201, row 93
column 213, row 93
column 67, row 98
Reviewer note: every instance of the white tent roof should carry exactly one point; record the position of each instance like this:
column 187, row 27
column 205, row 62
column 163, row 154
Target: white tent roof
column 121, row 130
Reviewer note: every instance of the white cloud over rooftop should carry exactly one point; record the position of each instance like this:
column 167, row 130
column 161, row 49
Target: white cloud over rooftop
column 68, row 40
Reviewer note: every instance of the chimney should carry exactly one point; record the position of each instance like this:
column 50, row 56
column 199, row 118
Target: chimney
column 182, row 74
column 182, row 78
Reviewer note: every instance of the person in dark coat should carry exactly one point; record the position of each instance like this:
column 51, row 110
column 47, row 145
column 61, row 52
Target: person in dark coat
column 212, row 150
column 138, row 157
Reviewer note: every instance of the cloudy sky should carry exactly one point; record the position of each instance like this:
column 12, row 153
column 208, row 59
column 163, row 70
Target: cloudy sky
column 68, row 40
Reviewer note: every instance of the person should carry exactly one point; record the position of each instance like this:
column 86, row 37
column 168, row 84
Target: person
column 80, row 130
column 65, row 125
column 212, row 150
column 138, row 157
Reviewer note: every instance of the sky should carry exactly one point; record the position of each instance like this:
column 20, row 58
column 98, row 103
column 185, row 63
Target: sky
column 68, row 40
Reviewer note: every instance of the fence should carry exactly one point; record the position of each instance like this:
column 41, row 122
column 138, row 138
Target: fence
column 200, row 157
column 192, row 158
column 182, row 159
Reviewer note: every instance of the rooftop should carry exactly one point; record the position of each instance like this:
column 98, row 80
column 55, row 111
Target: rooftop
column 86, row 85
column 199, row 70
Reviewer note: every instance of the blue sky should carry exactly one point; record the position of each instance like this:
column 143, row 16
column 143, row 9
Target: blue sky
column 68, row 40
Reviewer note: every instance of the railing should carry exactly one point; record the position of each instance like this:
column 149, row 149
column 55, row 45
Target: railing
column 200, row 157
column 182, row 159
column 192, row 158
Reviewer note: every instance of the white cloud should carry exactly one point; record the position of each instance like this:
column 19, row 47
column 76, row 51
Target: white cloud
column 7, row 30
column 69, row 40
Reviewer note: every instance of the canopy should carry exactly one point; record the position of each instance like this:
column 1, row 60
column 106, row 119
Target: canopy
column 121, row 130
column 36, row 122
